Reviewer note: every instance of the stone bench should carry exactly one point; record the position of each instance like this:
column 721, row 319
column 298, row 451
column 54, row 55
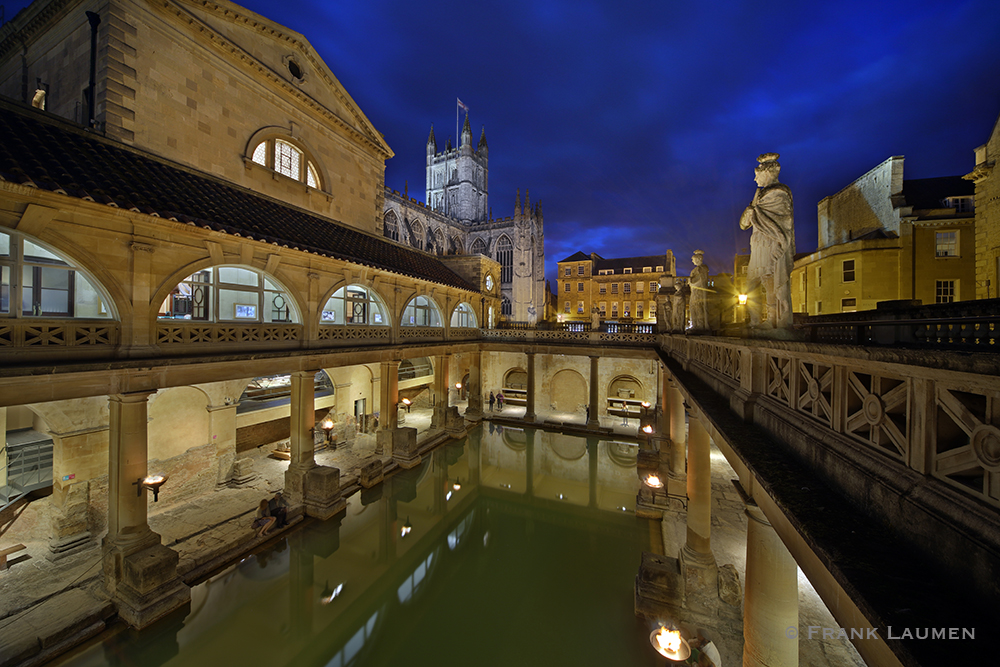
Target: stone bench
column 6, row 552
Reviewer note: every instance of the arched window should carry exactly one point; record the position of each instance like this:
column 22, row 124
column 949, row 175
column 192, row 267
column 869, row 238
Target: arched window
column 354, row 304
column 229, row 294
column 464, row 317
column 390, row 228
column 421, row 312
column 505, row 308
column 417, row 235
column 287, row 159
column 505, row 255
column 478, row 247
column 439, row 246
column 456, row 245
column 49, row 285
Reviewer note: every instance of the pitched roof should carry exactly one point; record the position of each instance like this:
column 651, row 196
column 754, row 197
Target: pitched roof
column 40, row 150
column 578, row 257
column 925, row 193
column 631, row 262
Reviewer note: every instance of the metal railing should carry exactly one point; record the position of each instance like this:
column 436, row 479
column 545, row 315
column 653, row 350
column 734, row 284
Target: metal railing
column 25, row 468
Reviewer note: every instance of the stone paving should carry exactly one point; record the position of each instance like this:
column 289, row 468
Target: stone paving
column 46, row 607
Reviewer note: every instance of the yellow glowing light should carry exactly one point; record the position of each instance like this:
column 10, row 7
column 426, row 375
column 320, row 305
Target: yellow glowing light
column 458, row 385
column 327, row 425
column 153, row 480
column 647, row 429
column 743, row 299
column 406, row 401
column 645, row 404
column 670, row 644
column 457, row 486
column 654, row 482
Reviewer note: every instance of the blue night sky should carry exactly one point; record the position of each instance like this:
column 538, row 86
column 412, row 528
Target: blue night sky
column 638, row 124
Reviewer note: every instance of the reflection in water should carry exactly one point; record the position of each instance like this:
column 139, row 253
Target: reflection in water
column 518, row 552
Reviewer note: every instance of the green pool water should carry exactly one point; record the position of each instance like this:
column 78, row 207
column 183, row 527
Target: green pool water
column 522, row 550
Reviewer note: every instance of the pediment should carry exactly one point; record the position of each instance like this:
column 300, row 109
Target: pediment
column 260, row 44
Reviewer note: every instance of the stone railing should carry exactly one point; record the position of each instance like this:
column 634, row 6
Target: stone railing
column 355, row 335
column 35, row 333
column 877, row 409
column 966, row 325
column 463, row 333
column 172, row 332
column 628, row 339
column 411, row 334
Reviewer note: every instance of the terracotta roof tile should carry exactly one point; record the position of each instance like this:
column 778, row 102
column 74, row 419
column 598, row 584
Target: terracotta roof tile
column 44, row 152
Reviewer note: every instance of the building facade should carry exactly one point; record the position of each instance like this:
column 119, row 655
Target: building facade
column 884, row 238
column 620, row 289
column 455, row 219
column 987, row 217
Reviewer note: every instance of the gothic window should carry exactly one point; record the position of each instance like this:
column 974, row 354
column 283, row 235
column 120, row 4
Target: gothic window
column 439, row 245
column 478, row 247
column 50, row 285
column 421, row 312
column 505, row 308
column 505, row 255
column 464, row 317
column 354, row 304
column 287, row 159
column 417, row 235
column 229, row 294
column 390, row 228
column 456, row 245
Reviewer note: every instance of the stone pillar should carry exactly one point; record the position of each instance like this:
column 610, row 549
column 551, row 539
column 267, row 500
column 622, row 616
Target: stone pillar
column 771, row 601
column 529, row 465
column 592, row 449
column 594, row 421
column 699, row 491
column 529, row 409
column 475, row 389
column 139, row 572
column 676, row 476
column 475, row 447
column 3, row 446
column 388, row 405
column 440, row 415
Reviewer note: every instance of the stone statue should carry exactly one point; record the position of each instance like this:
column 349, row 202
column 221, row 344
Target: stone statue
column 664, row 311
column 772, row 245
column 678, row 305
column 699, row 293
column 595, row 318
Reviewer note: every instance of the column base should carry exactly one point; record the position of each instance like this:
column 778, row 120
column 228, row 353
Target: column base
column 371, row 474
column 593, row 425
column 701, row 580
column 404, row 448
column 530, row 417
column 150, row 588
column 454, row 422
column 61, row 547
column 314, row 491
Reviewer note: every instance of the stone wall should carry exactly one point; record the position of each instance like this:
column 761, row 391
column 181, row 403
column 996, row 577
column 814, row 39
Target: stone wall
column 863, row 206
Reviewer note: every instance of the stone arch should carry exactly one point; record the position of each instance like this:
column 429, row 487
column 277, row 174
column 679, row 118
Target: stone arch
column 267, row 135
column 390, row 225
column 479, row 247
column 515, row 378
column 178, row 421
column 568, row 391
column 625, row 387
column 456, row 245
column 417, row 234
column 440, row 246
column 505, row 256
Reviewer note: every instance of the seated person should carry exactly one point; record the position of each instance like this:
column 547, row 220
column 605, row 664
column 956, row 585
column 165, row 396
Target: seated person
column 264, row 521
column 278, row 508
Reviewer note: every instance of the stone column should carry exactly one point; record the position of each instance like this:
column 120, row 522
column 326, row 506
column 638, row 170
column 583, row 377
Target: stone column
column 771, row 601
column 592, row 449
column 594, row 421
column 699, row 491
column 529, row 464
column 139, row 572
column 439, row 418
column 3, row 446
column 222, row 427
column 676, row 476
column 302, row 423
column 388, row 405
column 475, row 389
column 529, row 409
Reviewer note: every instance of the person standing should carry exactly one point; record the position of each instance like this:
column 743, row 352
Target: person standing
column 500, row 401
column 492, row 401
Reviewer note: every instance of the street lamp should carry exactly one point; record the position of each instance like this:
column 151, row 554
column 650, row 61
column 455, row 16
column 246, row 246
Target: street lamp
column 742, row 299
column 407, row 402
column 670, row 644
column 328, row 431
column 151, row 482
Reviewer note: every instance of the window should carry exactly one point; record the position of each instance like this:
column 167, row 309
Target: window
column 505, row 255
column 579, row 270
column 945, row 292
column 354, row 304
column 819, row 276
column 819, row 307
column 603, row 289
column 961, row 204
column 464, row 317
column 848, row 270
column 848, row 305
column 638, row 310
column 629, row 270
column 627, row 312
column 653, row 286
column 568, row 287
column 421, row 312
column 647, row 269
column 614, row 309
column 639, row 287
column 614, row 288
column 604, row 308
column 287, row 159
column 606, row 272
column 652, row 308
column 627, row 288
column 946, row 244
column 579, row 287
column 579, row 307
column 505, row 307
column 390, row 227
column 229, row 294
column 478, row 247
column 659, row 269
column 417, row 235
column 566, row 307
column 568, row 271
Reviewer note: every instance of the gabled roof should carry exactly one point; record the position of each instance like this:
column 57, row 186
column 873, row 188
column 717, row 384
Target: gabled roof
column 42, row 151
column 577, row 257
column 631, row 262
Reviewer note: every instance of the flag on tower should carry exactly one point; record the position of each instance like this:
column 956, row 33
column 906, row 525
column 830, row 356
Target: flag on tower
column 462, row 104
